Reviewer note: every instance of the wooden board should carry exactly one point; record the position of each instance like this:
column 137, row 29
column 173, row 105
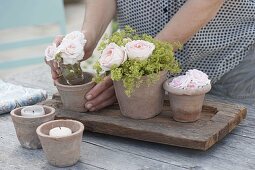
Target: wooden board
column 217, row 120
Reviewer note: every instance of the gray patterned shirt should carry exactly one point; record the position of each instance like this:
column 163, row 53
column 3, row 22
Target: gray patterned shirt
column 216, row 49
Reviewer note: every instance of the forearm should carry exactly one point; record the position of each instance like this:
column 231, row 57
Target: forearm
column 98, row 14
column 190, row 18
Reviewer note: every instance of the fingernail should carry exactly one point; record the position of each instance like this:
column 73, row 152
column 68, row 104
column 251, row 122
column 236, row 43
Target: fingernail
column 88, row 97
column 88, row 106
column 92, row 109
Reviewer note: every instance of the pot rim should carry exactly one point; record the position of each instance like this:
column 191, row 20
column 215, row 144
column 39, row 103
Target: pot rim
column 52, row 112
column 80, row 130
column 74, row 86
column 188, row 92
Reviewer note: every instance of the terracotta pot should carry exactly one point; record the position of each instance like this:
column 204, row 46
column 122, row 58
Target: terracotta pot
column 145, row 102
column 61, row 151
column 73, row 97
column 186, row 104
column 26, row 126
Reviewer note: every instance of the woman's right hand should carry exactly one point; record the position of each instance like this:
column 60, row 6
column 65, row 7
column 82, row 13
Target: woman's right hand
column 88, row 49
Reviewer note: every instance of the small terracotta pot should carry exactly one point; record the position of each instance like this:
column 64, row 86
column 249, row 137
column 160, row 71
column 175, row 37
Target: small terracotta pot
column 61, row 151
column 73, row 97
column 186, row 104
column 145, row 102
column 26, row 126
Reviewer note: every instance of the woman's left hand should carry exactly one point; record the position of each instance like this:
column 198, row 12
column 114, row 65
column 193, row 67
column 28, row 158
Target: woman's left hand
column 101, row 95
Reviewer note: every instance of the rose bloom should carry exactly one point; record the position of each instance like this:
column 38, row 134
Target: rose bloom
column 75, row 36
column 181, row 82
column 139, row 49
column 112, row 55
column 50, row 52
column 71, row 51
column 198, row 77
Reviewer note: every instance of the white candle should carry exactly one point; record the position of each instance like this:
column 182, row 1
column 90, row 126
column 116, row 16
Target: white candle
column 60, row 132
column 32, row 111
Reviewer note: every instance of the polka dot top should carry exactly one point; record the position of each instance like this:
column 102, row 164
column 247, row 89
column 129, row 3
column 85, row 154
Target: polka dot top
column 216, row 49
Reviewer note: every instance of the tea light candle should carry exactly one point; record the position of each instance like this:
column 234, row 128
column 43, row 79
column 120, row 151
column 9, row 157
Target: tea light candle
column 60, row 132
column 32, row 111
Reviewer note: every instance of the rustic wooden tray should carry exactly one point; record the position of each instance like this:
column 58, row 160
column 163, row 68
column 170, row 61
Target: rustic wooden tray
column 217, row 120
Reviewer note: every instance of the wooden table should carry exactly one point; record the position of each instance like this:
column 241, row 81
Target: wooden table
column 235, row 151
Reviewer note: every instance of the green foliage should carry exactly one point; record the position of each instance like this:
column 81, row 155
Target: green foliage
column 72, row 73
column 118, row 38
column 131, row 71
column 98, row 69
column 58, row 58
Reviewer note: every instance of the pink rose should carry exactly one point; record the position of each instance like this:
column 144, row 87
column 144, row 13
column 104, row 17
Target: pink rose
column 139, row 49
column 112, row 55
column 71, row 51
column 192, row 85
column 198, row 77
column 75, row 36
column 50, row 52
column 180, row 82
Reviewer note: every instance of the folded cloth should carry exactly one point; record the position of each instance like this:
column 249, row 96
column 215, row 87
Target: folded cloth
column 13, row 96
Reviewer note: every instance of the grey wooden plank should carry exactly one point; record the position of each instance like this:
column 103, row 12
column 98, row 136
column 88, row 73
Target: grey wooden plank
column 245, row 131
column 231, row 153
column 13, row 156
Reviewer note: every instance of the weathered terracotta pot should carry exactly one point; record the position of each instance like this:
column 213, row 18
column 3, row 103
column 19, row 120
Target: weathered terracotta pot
column 26, row 126
column 186, row 104
column 73, row 97
column 145, row 102
column 61, row 151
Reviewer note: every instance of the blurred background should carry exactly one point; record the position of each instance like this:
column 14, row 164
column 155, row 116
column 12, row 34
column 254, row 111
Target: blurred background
column 27, row 27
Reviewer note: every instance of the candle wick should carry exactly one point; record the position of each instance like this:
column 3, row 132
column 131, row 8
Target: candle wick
column 33, row 112
column 60, row 128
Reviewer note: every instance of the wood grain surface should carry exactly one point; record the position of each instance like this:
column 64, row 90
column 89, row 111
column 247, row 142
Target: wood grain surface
column 217, row 120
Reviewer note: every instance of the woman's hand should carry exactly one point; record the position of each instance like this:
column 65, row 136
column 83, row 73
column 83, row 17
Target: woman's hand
column 88, row 49
column 101, row 95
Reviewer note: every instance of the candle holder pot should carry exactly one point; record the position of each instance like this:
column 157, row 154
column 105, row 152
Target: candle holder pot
column 73, row 96
column 61, row 151
column 26, row 126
